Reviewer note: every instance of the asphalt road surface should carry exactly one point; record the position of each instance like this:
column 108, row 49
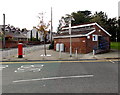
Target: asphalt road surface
column 60, row 77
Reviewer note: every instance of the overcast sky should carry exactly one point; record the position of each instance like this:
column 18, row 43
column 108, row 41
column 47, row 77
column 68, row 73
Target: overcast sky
column 23, row 13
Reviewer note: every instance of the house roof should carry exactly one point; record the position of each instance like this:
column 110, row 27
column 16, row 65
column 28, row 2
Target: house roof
column 85, row 25
column 11, row 31
column 84, row 33
column 78, row 31
column 14, row 35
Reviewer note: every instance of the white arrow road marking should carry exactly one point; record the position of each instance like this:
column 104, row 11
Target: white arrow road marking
column 53, row 78
column 33, row 68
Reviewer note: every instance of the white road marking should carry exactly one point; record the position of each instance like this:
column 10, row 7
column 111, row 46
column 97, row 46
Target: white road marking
column 44, row 85
column 3, row 67
column 111, row 61
column 33, row 68
column 54, row 78
column 45, row 55
column 27, row 66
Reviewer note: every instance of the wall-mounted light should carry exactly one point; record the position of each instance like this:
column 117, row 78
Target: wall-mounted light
column 88, row 37
column 99, row 30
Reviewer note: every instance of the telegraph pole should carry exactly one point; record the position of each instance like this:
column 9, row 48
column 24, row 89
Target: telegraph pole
column 51, row 27
column 3, row 30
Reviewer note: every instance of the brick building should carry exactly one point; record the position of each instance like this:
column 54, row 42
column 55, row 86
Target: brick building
column 85, row 38
column 12, row 36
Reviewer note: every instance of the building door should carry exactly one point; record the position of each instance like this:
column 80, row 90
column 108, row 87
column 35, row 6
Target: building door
column 102, row 43
column 99, row 41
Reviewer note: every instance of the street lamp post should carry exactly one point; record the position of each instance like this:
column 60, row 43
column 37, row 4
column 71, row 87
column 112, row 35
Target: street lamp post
column 67, row 20
column 51, row 27
column 70, row 37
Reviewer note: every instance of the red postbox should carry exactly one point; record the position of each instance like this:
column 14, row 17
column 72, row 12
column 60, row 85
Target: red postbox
column 20, row 50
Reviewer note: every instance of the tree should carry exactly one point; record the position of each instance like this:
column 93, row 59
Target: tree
column 112, row 28
column 100, row 18
column 81, row 17
column 31, row 35
column 43, row 28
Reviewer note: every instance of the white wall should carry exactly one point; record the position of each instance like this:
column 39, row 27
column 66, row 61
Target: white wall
column 40, row 35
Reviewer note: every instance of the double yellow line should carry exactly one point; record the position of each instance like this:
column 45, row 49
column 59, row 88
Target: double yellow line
column 115, row 60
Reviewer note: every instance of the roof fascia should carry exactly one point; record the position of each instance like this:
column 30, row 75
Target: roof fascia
column 69, row 36
column 90, row 33
column 102, row 29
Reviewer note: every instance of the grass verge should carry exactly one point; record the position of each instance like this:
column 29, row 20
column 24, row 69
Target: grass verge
column 115, row 45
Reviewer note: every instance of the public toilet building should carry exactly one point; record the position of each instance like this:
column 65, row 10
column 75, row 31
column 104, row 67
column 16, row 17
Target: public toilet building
column 84, row 38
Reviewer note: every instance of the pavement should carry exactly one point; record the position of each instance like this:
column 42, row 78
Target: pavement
column 37, row 53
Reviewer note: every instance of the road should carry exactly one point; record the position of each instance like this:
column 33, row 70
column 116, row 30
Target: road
column 91, row 76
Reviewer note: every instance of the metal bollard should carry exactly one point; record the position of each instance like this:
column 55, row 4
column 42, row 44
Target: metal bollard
column 93, row 52
column 8, row 54
column 60, row 54
column 76, row 53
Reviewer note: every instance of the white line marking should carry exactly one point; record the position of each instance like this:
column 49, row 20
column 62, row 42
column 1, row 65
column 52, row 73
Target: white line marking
column 54, row 78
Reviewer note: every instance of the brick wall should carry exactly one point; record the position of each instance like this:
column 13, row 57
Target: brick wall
column 11, row 44
column 77, row 43
column 90, row 44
